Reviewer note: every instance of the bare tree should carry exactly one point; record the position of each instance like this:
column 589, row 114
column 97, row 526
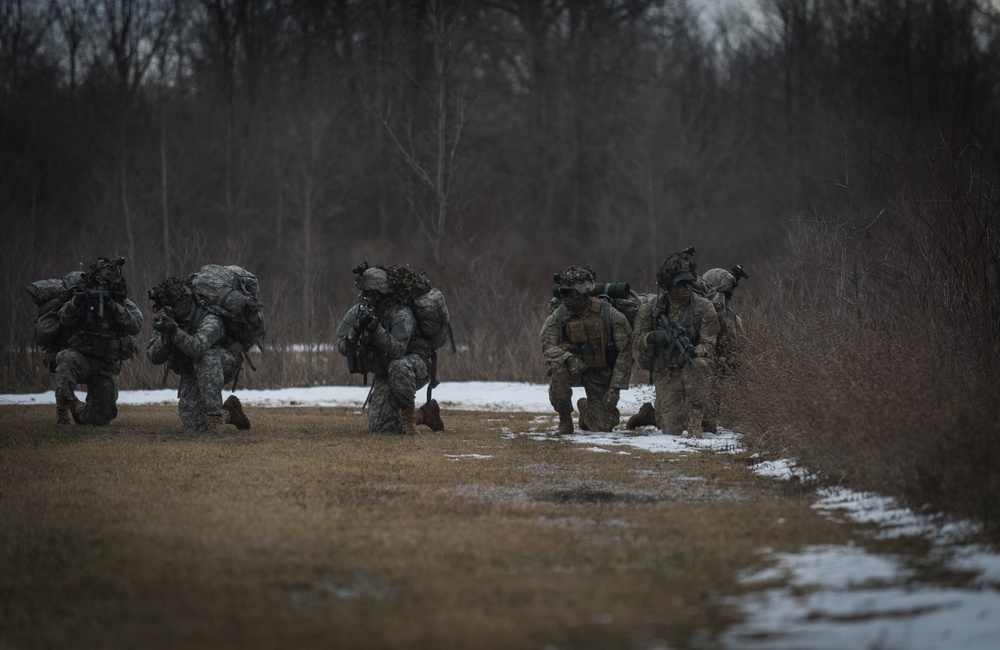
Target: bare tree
column 432, row 157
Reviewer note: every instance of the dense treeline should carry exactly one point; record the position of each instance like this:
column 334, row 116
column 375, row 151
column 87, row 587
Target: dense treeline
column 844, row 151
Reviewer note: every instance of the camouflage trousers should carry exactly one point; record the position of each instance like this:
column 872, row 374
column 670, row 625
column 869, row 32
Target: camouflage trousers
column 682, row 397
column 199, row 395
column 595, row 382
column 74, row 368
column 393, row 391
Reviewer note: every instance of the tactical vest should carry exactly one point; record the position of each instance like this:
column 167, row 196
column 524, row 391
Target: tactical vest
column 590, row 334
column 102, row 338
column 689, row 319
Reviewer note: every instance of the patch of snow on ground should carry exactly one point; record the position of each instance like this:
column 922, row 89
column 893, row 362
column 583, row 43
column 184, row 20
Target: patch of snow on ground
column 823, row 597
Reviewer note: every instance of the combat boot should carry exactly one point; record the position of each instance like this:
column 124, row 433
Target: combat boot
column 565, row 424
column 62, row 413
column 74, row 409
column 408, row 417
column 430, row 414
column 236, row 415
column 645, row 417
column 216, row 425
column 694, row 426
column 581, row 406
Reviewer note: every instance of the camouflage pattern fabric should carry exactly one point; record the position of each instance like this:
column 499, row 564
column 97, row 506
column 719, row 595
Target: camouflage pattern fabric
column 199, row 395
column 682, row 398
column 72, row 368
column 719, row 283
column 681, row 393
column 406, row 371
column 206, row 361
column 394, row 391
column 406, row 283
column 567, row 370
column 674, row 265
column 581, row 278
column 93, row 357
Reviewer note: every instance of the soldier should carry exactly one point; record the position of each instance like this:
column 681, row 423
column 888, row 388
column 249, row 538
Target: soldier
column 99, row 324
column 586, row 342
column 194, row 344
column 675, row 338
column 378, row 336
column 719, row 287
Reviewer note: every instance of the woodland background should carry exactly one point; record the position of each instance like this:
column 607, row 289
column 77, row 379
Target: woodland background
column 845, row 152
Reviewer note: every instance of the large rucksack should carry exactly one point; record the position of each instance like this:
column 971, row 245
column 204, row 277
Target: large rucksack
column 49, row 296
column 430, row 311
column 628, row 303
column 230, row 292
column 425, row 301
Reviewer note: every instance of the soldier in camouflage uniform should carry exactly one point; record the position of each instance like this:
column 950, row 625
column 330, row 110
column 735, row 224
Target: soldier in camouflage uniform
column 719, row 285
column 99, row 324
column 586, row 342
column 379, row 336
column 681, row 377
column 194, row 344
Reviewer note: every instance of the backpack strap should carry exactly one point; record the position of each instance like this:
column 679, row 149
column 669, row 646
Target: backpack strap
column 610, row 348
column 606, row 317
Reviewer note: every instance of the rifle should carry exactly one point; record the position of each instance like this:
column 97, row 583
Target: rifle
column 92, row 294
column 156, row 295
column 365, row 315
column 680, row 349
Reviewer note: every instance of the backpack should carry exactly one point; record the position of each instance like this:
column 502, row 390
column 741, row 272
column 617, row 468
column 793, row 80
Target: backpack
column 425, row 301
column 430, row 311
column 628, row 304
column 49, row 296
column 230, row 292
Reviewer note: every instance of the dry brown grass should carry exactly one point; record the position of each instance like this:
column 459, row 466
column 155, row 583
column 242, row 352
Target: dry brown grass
column 309, row 532
column 878, row 410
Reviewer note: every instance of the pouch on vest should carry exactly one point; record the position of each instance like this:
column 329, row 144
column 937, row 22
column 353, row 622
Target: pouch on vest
column 372, row 360
column 588, row 338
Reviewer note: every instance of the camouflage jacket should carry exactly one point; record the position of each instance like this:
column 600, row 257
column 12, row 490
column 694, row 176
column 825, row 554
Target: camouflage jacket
column 189, row 343
column 556, row 346
column 731, row 334
column 111, row 337
column 696, row 315
column 393, row 340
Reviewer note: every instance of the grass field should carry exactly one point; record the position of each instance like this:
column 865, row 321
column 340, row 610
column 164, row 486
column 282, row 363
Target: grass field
column 308, row 532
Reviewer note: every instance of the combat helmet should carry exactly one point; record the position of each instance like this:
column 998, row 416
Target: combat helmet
column 580, row 278
column 679, row 267
column 720, row 280
column 175, row 290
column 376, row 279
column 107, row 273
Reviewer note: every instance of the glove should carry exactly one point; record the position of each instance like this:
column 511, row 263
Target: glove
column 658, row 337
column 165, row 325
column 611, row 398
column 575, row 365
column 368, row 321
